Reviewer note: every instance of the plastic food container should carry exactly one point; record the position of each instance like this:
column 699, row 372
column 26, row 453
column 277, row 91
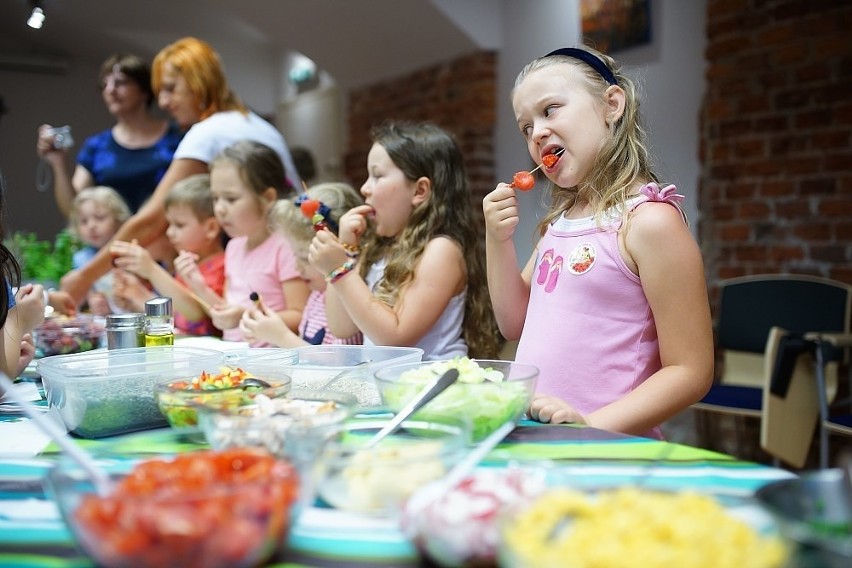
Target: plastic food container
column 350, row 367
column 103, row 393
column 261, row 355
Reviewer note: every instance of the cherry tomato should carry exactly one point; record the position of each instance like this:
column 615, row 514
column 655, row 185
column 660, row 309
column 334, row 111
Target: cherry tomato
column 549, row 160
column 523, row 181
column 309, row 207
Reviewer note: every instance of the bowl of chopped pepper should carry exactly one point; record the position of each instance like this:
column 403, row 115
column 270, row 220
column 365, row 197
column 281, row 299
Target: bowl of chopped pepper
column 196, row 508
column 229, row 387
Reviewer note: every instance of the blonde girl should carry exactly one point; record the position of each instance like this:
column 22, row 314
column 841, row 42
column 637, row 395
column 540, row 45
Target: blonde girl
column 246, row 180
column 96, row 215
column 407, row 267
column 612, row 306
column 296, row 219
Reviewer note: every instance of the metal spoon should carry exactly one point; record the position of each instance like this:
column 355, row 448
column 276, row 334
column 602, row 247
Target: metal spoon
column 351, row 370
column 99, row 477
column 254, row 382
column 435, row 490
column 424, row 396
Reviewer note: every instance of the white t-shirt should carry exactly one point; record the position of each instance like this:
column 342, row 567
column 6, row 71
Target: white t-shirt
column 205, row 139
column 444, row 340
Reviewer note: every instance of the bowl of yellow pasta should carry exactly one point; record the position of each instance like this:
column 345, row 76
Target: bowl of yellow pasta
column 629, row 526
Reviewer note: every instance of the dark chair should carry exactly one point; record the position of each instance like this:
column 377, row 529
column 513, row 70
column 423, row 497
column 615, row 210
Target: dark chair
column 836, row 418
column 748, row 308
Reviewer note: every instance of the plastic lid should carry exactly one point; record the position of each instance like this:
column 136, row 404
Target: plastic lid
column 159, row 307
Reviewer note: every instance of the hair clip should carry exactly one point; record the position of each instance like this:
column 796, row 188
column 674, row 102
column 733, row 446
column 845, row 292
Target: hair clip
column 317, row 212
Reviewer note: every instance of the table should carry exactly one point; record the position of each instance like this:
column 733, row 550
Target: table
column 328, row 538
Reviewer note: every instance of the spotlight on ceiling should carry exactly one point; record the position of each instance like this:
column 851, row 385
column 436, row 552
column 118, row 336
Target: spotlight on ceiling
column 36, row 19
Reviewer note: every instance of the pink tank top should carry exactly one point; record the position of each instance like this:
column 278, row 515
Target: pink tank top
column 589, row 328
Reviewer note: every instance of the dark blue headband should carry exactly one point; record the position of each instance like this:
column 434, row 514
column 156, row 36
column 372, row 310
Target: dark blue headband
column 323, row 210
column 589, row 60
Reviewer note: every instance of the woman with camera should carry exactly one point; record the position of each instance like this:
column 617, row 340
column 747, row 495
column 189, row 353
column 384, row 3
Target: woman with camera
column 130, row 157
column 191, row 86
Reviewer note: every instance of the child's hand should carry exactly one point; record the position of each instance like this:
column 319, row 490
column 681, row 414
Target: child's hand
column 132, row 257
column 62, row 302
column 98, row 304
column 326, row 253
column 129, row 292
column 554, row 410
column 501, row 212
column 265, row 325
column 353, row 224
column 27, row 353
column 186, row 266
column 226, row 316
column 29, row 306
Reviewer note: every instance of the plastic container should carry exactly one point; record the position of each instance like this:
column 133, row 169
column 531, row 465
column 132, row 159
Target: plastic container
column 271, row 355
column 318, row 364
column 103, row 393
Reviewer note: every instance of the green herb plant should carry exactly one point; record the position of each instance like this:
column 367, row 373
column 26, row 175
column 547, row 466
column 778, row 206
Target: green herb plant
column 43, row 261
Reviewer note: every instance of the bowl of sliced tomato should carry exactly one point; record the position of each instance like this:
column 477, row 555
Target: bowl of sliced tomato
column 228, row 387
column 202, row 508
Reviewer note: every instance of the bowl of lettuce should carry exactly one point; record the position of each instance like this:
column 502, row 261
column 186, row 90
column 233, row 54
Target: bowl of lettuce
column 487, row 393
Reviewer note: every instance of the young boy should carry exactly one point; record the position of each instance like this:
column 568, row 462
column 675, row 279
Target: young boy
column 200, row 265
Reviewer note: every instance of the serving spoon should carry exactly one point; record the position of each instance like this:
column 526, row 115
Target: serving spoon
column 438, row 488
column 99, row 477
column 434, row 389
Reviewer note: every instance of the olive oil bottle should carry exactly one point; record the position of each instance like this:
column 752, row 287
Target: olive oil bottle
column 159, row 327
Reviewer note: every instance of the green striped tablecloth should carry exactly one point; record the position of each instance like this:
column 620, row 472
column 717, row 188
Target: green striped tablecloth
column 325, row 537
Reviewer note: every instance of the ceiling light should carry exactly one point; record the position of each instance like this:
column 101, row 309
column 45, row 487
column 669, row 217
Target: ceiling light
column 36, row 18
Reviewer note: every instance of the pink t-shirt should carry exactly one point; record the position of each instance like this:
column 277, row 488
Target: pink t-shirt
column 589, row 328
column 262, row 270
column 314, row 325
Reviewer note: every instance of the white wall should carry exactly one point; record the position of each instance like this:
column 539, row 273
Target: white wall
column 33, row 99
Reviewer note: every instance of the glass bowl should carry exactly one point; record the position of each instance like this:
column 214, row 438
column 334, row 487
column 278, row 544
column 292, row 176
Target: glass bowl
column 62, row 335
column 228, row 387
column 462, row 526
column 488, row 393
column 205, row 509
column 616, row 526
column 264, row 422
column 107, row 392
column 376, row 481
column 814, row 510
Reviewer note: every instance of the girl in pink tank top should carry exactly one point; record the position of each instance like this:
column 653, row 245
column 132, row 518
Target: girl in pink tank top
column 612, row 307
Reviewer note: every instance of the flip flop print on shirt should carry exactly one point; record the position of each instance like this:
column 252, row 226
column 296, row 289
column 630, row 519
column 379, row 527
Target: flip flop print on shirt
column 580, row 261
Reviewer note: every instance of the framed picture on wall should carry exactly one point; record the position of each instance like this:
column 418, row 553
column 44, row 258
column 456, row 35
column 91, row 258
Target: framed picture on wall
column 611, row 25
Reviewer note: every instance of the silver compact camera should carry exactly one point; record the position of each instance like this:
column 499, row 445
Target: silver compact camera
column 62, row 138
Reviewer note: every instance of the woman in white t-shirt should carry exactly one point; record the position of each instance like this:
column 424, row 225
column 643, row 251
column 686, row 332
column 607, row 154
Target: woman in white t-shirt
column 190, row 84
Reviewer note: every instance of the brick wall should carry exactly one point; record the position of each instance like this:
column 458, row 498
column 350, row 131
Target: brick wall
column 776, row 147
column 458, row 95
